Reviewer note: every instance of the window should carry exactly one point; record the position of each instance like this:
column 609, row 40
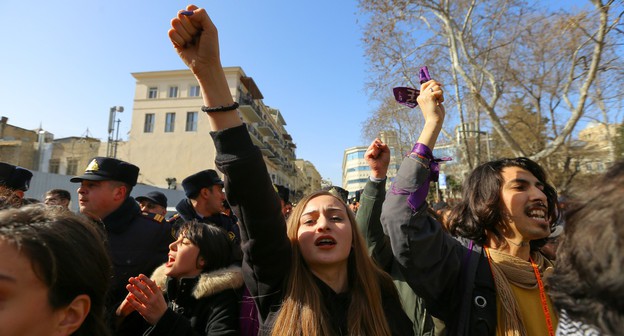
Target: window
column 152, row 93
column 173, row 91
column 360, row 168
column 362, row 180
column 194, row 91
column 148, row 127
column 54, row 166
column 356, row 155
column 169, row 122
column 191, row 121
column 72, row 166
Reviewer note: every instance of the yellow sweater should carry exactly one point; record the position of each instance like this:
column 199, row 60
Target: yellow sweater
column 530, row 307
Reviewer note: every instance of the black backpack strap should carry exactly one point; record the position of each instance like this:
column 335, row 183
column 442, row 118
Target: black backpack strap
column 468, row 272
column 483, row 315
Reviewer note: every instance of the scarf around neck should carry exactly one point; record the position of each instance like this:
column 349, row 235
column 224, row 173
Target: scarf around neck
column 507, row 270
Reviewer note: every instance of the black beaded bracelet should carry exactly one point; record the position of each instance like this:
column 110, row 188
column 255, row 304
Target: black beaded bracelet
column 220, row 108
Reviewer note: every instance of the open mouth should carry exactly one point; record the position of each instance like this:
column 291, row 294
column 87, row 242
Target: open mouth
column 325, row 241
column 538, row 214
column 170, row 261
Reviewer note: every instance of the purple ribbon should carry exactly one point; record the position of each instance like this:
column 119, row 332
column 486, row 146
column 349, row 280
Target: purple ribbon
column 423, row 75
column 407, row 96
column 417, row 198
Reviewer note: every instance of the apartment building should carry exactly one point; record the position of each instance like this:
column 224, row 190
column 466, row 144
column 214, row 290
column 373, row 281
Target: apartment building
column 169, row 136
column 310, row 180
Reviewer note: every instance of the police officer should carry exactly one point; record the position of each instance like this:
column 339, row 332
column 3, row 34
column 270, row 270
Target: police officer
column 204, row 202
column 14, row 182
column 137, row 243
column 154, row 202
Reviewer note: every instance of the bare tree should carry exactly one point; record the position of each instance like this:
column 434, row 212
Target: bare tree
column 493, row 52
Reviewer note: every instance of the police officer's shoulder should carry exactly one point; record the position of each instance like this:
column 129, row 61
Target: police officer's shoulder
column 174, row 218
column 158, row 218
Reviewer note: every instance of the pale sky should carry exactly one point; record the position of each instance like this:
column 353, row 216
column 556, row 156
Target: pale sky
column 64, row 63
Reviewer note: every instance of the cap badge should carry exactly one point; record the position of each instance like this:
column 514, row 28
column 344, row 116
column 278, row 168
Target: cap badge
column 93, row 166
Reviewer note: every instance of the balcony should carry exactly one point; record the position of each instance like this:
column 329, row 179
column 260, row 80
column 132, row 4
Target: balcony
column 255, row 136
column 249, row 109
column 270, row 139
column 267, row 150
column 264, row 128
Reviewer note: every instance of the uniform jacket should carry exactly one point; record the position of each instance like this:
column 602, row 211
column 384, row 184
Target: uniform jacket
column 186, row 213
column 452, row 276
column 137, row 244
column 266, row 247
column 204, row 305
column 368, row 219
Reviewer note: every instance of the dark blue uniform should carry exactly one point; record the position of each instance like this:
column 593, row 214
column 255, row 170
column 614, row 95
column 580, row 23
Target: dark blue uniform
column 138, row 243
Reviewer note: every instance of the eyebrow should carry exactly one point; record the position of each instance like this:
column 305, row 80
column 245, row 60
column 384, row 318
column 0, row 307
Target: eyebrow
column 331, row 209
column 525, row 181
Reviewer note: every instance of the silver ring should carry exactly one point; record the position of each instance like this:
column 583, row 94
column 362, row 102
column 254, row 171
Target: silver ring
column 431, row 89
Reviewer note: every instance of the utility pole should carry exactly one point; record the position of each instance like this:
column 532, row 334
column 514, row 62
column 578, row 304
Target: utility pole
column 111, row 151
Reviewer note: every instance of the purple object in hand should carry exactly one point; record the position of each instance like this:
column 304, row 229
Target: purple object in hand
column 187, row 13
column 423, row 75
column 407, row 96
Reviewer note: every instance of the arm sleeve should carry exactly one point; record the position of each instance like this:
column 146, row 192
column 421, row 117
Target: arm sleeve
column 368, row 220
column 429, row 258
column 266, row 247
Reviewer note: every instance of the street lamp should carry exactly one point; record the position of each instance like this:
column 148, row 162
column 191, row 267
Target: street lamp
column 110, row 150
column 477, row 131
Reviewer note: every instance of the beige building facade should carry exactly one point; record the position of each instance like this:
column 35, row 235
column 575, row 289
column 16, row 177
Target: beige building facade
column 310, row 178
column 17, row 145
column 170, row 135
column 598, row 149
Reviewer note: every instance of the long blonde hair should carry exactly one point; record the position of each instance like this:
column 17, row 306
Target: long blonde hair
column 302, row 312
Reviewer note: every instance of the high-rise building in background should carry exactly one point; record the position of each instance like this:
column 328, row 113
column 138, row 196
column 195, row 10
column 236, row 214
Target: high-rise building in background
column 355, row 169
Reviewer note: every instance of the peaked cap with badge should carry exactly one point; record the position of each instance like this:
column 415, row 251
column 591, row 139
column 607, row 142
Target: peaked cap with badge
column 14, row 177
column 106, row 169
column 203, row 179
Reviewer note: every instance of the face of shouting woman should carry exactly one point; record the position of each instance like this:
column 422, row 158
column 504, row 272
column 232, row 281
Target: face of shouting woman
column 184, row 260
column 325, row 234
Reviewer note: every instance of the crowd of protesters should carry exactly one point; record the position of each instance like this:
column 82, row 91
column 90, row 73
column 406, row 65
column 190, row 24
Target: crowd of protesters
column 499, row 262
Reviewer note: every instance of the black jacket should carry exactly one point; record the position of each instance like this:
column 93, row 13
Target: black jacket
column 186, row 213
column 137, row 244
column 266, row 247
column 204, row 305
column 452, row 276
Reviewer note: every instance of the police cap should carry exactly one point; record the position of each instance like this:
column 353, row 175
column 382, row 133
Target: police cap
column 14, row 177
column 104, row 169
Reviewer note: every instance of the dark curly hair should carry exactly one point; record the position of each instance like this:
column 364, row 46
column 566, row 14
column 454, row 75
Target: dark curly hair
column 479, row 210
column 588, row 281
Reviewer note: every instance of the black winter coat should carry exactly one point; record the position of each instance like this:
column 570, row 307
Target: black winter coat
column 137, row 244
column 204, row 305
